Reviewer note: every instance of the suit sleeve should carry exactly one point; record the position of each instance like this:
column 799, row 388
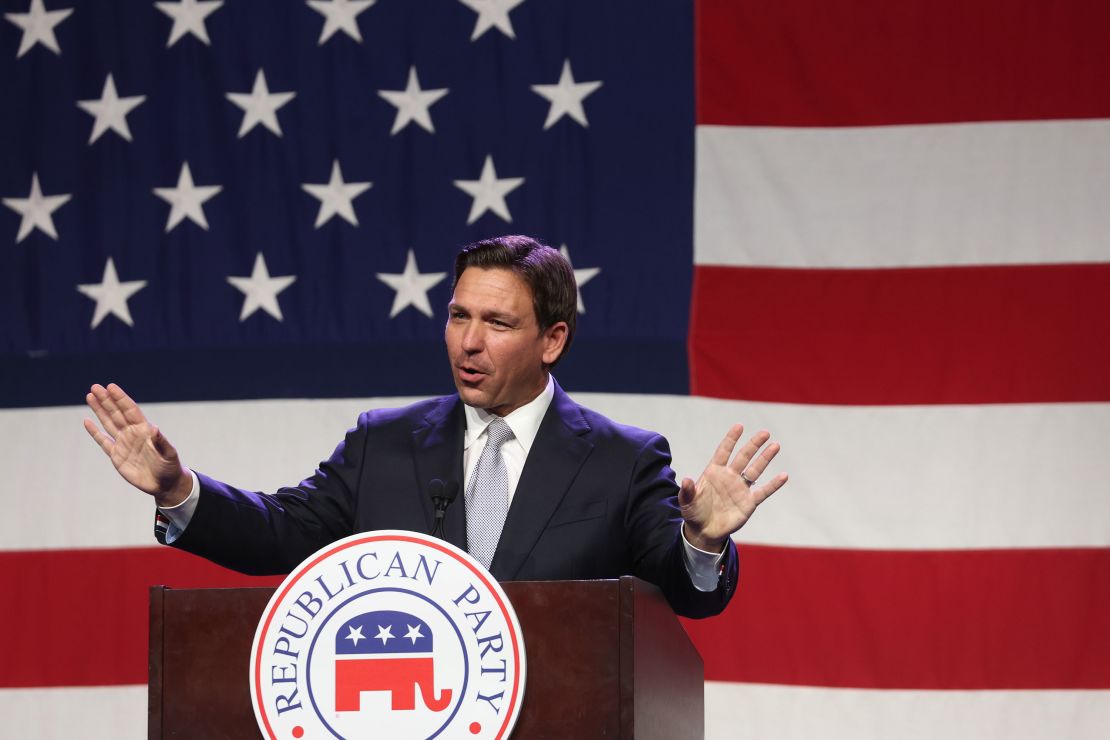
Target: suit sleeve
column 270, row 533
column 653, row 526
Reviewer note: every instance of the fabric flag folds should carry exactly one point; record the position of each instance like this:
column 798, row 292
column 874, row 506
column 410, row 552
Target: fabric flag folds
column 877, row 229
column 901, row 252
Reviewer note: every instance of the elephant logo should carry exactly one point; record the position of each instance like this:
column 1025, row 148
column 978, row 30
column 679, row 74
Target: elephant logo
column 386, row 651
column 388, row 634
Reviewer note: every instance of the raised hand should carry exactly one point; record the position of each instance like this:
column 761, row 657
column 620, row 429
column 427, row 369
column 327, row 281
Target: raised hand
column 138, row 450
column 726, row 494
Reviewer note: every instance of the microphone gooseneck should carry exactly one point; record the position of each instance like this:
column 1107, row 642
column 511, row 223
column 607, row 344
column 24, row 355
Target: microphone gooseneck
column 442, row 495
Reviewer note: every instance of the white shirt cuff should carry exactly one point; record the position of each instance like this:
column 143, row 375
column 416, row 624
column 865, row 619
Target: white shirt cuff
column 704, row 567
column 181, row 514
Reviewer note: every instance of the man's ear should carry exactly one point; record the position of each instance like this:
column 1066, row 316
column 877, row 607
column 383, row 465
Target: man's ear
column 554, row 339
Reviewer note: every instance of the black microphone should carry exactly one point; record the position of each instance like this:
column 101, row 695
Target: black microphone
column 442, row 495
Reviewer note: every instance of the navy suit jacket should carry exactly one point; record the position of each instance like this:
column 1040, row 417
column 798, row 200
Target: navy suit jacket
column 595, row 499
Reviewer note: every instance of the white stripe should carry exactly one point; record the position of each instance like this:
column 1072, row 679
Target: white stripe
column 93, row 713
column 732, row 710
column 907, row 477
column 864, row 477
column 903, row 196
column 804, row 713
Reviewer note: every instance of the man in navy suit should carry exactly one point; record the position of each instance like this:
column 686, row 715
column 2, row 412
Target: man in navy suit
column 577, row 495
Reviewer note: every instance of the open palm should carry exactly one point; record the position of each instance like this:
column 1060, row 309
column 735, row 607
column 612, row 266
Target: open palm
column 137, row 449
column 726, row 495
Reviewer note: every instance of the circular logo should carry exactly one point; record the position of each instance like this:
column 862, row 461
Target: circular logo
column 388, row 634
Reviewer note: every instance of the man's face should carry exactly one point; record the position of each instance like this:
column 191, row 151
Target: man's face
column 496, row 348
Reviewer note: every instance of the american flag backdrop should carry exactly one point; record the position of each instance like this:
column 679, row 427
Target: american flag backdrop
column 879, row 229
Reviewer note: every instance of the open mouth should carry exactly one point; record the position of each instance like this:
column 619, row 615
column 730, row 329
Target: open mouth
column 470, row 374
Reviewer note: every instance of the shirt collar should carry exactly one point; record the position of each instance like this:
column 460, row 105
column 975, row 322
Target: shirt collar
column 524, row 421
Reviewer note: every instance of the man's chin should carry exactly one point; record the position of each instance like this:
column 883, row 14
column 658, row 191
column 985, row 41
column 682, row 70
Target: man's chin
column 472, row 396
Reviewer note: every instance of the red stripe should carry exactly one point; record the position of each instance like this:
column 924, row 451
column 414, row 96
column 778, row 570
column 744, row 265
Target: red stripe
column 934, row 620
column 1002, row 619
column 874, row 62
column 906, row 336
column 80, row 617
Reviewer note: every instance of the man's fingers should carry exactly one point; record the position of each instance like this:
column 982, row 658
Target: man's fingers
column 747, row 452
column 132, row 414
column 764, row 492
column 111, row 408
column 115, row 409
column 99, row 437
column 761, row 461
column 727, row 445
column 96, row 400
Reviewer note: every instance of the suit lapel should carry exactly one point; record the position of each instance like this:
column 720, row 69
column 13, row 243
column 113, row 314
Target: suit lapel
column 557, row 453
column 437, row 450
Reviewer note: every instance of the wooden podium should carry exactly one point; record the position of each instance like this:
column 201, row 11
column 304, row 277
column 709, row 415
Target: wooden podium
column 605, row 659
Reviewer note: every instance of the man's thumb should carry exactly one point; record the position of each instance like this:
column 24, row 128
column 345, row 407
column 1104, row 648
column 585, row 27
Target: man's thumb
column 686, row 492
column 161, row 445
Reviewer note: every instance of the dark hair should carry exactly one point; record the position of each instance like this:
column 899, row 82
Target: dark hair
column 544, row 270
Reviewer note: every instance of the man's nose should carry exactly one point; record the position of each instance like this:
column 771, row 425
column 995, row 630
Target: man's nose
column 472, row 338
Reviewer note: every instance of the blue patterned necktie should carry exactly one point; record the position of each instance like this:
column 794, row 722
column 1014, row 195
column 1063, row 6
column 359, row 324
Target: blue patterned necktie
column 487, row 496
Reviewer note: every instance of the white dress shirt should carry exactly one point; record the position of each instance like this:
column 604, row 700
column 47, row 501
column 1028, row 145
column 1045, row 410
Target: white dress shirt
column 525, row 423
